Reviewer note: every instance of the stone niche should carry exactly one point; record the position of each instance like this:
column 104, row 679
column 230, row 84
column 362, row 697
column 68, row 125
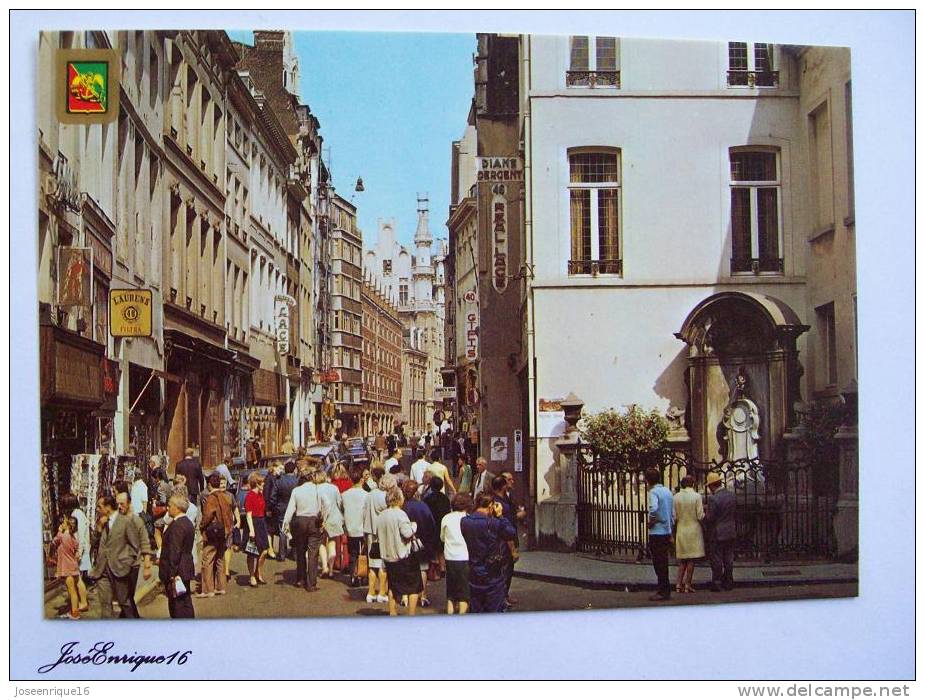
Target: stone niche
column 733, row 333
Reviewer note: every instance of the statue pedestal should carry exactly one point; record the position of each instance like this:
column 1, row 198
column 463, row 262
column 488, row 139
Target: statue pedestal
column 557, row 517
column 846, row 508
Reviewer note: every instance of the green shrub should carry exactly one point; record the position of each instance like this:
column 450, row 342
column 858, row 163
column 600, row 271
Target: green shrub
column 630, row 436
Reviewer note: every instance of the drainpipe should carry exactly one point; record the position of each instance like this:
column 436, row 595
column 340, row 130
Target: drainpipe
column 528, row 278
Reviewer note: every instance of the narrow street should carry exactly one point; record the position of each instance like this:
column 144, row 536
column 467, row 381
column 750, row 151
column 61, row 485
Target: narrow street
column 280, row 598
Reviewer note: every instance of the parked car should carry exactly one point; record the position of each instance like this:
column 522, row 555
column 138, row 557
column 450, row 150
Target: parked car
column 358, row 452
column 327, row 452
column 240, row 470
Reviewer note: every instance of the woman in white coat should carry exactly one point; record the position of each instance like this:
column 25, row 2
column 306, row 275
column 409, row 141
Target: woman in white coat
column 688, row 512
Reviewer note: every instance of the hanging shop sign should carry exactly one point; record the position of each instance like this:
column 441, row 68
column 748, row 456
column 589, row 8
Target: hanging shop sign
column 75, row 276
column 471, row 309
column 130, row 313
column 499, row 242
column 282, row 305
column 442, row 393
column 498, row 169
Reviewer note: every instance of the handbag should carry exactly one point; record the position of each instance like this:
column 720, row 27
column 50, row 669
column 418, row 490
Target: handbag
column 416, row 545
column 251, row 548
column 362, row 566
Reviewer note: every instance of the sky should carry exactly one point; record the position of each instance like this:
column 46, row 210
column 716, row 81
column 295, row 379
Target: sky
column 390, row 106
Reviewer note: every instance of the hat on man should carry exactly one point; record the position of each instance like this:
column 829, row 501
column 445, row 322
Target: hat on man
column 714, row 478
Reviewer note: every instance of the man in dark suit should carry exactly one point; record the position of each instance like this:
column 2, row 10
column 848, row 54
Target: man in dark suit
column 720, row 524
column 191, row 468
column 177, row 559
column 281, row 494
column 118, row 553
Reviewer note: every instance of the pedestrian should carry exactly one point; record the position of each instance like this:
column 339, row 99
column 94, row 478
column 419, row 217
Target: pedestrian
column 234, row 535
column 391, row 442
column 223, row 468
column 393, row 460
column 372, row 480
column 215, row 525
column 164, row 489
column 287, row 447
column 688, row 512
column 70, row 506
column 139, row 494
column 437, row 468
column 376, row 504
column 176, row 568
column 456, row 555
column 426, row 531
column 304, row 519
column 192, row 514
column 720, row 523
column 482, row 478
column 285, row 485
column 379, row 445
column 415, row 442
column 118, row 551
column 258, row 542
column 485, row 532
column 124, row 504
column 191, row 468
column 332, row 507
column 250, row 454
column 340, row 478
column 67, row 555
column 660, row 528
column 274, row 471
column 396, row 532
column 463, row 474
column 439, row 506
column 354, row 501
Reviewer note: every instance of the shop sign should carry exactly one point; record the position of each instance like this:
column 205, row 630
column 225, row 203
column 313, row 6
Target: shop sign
column 498, row 169
column 75, row 276
column 131, row 313
column 441, row 393
column 283, row 304
column 499, row 239
column 472, row 325
column 78, row 374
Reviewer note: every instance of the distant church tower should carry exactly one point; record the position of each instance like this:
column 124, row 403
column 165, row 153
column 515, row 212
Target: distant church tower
column 423, row 271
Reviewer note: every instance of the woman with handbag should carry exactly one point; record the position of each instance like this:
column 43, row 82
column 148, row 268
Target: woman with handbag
column 258, row 541
column 333, row 526
column 426, row 530
column 486, row 532
column 397, row 543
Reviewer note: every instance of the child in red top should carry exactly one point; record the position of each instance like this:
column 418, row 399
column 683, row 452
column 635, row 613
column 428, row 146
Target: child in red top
column 68, row 561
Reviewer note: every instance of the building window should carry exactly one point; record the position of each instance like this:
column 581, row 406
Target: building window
column 593, row 68
column 825, row 322
column 402, row 294
column 751, row 65
column 849, row 142
column 755, row 211
column 386, row 267
column 821, row 158
column 594, row 213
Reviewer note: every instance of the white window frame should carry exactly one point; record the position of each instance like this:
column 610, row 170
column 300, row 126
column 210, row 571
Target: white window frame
column 592, row 60
column 754, row 186
column 594, row 187
column 750, row 63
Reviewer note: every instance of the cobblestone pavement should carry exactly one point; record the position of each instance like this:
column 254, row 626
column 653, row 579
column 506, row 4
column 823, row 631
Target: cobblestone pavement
column 280, row 598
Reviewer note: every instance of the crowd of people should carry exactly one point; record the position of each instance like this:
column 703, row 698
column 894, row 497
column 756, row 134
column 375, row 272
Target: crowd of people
column 394, row 530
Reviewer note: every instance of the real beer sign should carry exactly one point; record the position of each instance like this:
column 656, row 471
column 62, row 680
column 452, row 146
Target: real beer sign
column 130, row 313
column 499, row 238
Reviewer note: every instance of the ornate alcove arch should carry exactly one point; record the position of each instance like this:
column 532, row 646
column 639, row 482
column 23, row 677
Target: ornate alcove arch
column 738, row 331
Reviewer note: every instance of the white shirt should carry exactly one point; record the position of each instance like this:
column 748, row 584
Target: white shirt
column 418, row 469
column 305, row 501
column 354, row 500
column 389, row 463
column 454, row 544
column 139, row 496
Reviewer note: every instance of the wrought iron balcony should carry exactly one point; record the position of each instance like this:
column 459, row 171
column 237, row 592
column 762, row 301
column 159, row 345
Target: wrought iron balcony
column 750, row 78
column 756, row 265
column 595, row 267
column 592, row 78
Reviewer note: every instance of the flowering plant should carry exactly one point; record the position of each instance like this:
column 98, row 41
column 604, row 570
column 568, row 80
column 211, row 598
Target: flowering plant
column 628, row 437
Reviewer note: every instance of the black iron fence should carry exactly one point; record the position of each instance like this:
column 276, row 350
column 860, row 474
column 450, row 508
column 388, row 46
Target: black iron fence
column 783, row 510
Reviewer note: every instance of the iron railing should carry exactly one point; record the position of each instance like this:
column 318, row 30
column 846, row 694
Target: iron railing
column 592, row 78
column 595, row 267
column 744, row 264
column 751, row 78
column 781, row 513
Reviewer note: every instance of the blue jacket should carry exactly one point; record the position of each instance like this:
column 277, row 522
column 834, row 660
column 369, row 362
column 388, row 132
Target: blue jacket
column 485, row 537
column 419, row 513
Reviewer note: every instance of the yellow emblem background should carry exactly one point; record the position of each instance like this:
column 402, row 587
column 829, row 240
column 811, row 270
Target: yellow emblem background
column 129, row 315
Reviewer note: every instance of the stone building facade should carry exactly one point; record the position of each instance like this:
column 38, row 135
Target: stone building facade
column 381, row 362
column 415, row 281
column 212, row 195
column 347, row 314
